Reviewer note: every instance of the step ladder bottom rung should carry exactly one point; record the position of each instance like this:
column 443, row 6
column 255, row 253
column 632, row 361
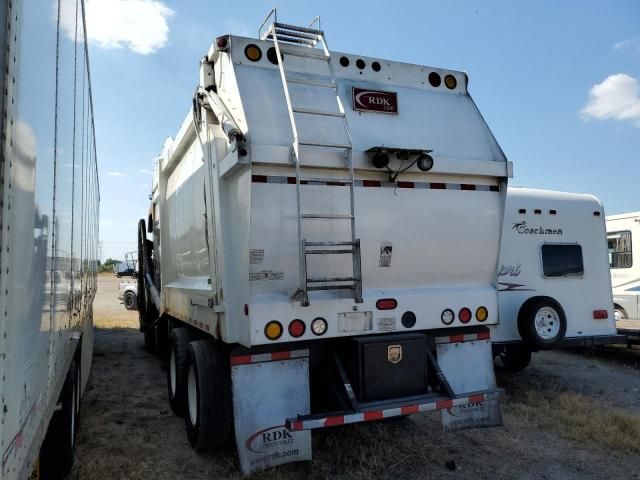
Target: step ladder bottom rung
column 337, row 216
column 321, row 113
column 332, row 279
column 329, row 244
column 324, row 145
column 331, row 287
column 346, row 181
column 328, row 252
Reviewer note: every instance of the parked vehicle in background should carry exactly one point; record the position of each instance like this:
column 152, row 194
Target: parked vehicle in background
column 340, row 265
column 49, row 234
column 623, row 239
column 123, row 271
column 553, row 278
column 128, row 268
column 128, row 294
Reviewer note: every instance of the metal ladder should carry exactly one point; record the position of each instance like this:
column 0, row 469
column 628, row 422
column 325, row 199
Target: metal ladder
column 282, row 33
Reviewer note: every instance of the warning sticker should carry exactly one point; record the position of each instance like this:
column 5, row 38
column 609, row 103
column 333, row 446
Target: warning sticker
column 256, row 256
column 387, row 324
column 386, row 248
column 265, row 275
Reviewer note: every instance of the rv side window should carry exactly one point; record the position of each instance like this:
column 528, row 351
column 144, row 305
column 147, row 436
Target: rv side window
column 562, row 260
column 619, row 245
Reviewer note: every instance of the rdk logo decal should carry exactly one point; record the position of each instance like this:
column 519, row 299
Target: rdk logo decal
column 367, row 99
column 267, row 438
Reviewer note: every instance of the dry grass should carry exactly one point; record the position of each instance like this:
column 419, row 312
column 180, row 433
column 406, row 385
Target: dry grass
column 580, row 419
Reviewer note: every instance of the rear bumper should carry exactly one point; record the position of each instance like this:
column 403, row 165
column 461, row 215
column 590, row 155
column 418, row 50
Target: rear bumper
column 390, row 409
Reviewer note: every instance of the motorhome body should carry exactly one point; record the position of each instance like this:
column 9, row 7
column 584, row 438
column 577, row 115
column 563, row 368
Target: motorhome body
column 623, row 239
column 333, row 222
column 553, row 273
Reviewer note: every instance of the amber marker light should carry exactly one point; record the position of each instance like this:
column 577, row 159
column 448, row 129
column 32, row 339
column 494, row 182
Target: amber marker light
column 273, row 330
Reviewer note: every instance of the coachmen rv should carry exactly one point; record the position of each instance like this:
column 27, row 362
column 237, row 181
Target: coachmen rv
column 552, row 252
column 325, row 230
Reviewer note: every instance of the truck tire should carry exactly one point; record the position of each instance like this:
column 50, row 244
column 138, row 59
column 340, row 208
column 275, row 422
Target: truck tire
column 177, row 369
column 209, row 414
column 58, row 447
column 130, row 301
column 515, row 357
column 542, row 323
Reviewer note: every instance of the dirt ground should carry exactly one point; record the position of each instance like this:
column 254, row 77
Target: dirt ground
column 570, row 415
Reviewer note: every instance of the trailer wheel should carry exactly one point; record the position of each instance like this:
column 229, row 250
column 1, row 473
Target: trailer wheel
column 619, row 313
column 58, row 447
column 209, row 415
column 177, row 369
column 130, row 301
column 542, row 323
column 515, row 357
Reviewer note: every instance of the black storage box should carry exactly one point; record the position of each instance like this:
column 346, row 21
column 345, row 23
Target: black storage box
column 386, row 366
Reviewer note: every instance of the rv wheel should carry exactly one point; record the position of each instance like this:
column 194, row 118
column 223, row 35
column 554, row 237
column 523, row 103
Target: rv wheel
column 209, row 415
column 542, row 323
column 130, row 301
column 515, row 357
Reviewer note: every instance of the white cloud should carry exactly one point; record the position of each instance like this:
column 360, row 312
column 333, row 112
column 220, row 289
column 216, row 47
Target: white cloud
column 139, row 25
column 115, row 173
column 617, row 98
column 633, row 42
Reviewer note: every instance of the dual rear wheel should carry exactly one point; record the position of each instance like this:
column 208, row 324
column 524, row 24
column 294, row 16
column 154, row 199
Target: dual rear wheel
column 199, row 388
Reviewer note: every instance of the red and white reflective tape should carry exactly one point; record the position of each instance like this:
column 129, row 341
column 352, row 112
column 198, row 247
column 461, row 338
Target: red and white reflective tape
column 470, row 337
column 268, row 357
column 379, row 184
column 297, row 425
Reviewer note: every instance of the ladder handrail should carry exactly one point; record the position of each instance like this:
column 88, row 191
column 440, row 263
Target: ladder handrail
column 275, row 20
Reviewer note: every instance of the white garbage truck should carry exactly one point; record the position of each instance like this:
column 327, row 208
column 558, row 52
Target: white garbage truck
column 324, row 237
column 48, row 234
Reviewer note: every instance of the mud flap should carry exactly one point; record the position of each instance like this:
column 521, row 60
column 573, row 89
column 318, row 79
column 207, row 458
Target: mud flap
column 265, row 394
column 468, row 367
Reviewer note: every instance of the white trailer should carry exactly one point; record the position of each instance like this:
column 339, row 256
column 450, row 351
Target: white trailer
column 553, row 278
column 48, row 234
column 623, row 238
column 326, row 229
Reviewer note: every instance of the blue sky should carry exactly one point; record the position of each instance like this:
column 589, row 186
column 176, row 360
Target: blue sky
column 557, row 82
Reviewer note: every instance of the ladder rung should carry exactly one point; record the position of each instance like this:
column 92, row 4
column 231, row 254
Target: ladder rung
column 328, row 252
column 331, row 287
column 296, row 28
column 296, row 34
column 296, row 40
column 299, row 53
column 329, row 244
column 311, row 111
column 304, row 81
column 332, row 279
column 328, row 145
column 327, row 215
column 325, row 180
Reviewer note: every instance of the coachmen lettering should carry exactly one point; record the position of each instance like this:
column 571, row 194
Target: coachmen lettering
column 365, row 100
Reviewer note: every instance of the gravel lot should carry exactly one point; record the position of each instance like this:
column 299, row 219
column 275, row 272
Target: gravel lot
column 570, row 415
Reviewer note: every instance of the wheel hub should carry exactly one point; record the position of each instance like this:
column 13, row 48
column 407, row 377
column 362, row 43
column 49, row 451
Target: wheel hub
column 547, row 323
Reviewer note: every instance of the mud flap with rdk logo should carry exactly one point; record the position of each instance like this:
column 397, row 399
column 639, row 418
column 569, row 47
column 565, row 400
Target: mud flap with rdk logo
column 265, row 394
column 474, row 415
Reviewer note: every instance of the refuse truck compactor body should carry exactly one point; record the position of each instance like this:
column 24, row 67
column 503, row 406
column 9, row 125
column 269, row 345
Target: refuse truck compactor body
column 325, row 235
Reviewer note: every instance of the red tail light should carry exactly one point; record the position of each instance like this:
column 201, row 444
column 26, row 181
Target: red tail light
column 464, row 315
column 386, row 304
column 600, row 314
column 297, row 328
column 222, row 42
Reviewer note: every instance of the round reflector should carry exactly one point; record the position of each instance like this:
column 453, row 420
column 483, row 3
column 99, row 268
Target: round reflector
column 273, row 330
column 434, row 79
column 297, row 328
column 386, row 304
column 376, row 66
column 408, row 319
column 464, row 315
column 344, row 61
column 319, row 326
column 360, row 64
column 447, row 316
column 450, row 81
column 222, row 42
column 253, row 52
column 481, row 314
